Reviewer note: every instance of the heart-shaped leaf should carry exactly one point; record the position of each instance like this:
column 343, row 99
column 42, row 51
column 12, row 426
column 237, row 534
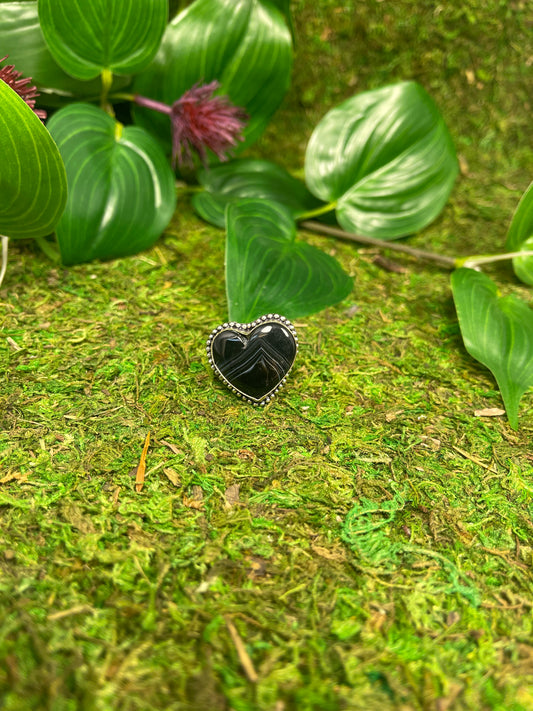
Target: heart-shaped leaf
column 121, row 188
column 22, row 40
column 243, row 44
column 520, row 237
column 285, row 7
column 386, row 160
column 268, row 271
column 33, row 182
column 118, row 35
column 249, row 178
column 498, row 332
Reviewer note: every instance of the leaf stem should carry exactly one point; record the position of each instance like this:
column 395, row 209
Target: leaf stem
column 107, row 81
column 122, row 97
column 194, row 189
column 477, row 259
column 442, row 260
column 48, row 248
column 3, row 268
column 322, row 210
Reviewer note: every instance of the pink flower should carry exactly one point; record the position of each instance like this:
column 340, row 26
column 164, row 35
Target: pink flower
column 201, row 122
column 18, row 83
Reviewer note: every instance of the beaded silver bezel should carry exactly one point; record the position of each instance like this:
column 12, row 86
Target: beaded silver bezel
column 245, row 329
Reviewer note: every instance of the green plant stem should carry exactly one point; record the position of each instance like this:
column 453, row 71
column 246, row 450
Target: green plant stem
column 322, row 210
column 478, row 259
column 3, row 268
column 122, row 97
column 448, row 262
column 107, row 81
column 50, row 249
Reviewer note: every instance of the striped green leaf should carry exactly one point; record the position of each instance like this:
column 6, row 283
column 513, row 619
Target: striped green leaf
column 385, row 159
column 268, row 271
column 520, row 237
column 498, row 332
column 249, row 178
column 118, row 35
column 22, row 40
column 121, row 188
column 285, row 7
column 244, row 44
column 33, row 186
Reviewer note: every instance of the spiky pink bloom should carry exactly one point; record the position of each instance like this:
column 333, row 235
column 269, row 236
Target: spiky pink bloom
column 201, row 122
column 18, row 83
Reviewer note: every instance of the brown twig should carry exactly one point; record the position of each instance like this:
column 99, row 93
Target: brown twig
column 473, row 262
column 318, row 227
column 243, row 655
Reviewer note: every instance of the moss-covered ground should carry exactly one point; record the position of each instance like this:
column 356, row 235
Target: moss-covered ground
column 364, row 542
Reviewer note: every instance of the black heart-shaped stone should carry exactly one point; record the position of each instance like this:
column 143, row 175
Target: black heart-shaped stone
column 254, row 359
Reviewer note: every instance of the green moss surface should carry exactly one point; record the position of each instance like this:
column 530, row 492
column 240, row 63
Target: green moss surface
column 367, row 536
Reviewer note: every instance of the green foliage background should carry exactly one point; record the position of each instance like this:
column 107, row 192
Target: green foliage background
column 379, row 553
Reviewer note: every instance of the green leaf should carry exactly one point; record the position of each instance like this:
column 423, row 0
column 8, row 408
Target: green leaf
column 498, row 332
column 285, row 7
column 386, row 158
column 121, row 188
column 520, row 237
column 33, row 185
column 22, row 40
column 268, row 271
column 244, row 44
column 117, row 35
column 249, row 178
